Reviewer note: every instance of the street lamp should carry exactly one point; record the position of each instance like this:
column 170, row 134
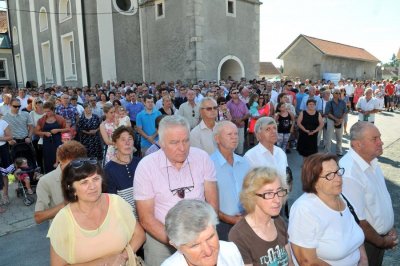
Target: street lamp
column 376, row 70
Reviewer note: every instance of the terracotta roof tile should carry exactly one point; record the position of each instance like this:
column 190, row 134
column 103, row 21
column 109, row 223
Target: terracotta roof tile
column 3, row 22
column 267, row 68
column 341, row 50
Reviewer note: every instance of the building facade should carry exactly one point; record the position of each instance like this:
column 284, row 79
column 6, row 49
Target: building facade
column 308, row 57
column 77, row 43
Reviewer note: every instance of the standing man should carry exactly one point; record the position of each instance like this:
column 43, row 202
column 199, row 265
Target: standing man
column 133, row 108
column 350, row 92
column 231, row 170
column 5, row 106
column 190, row 109
column 21, row 124
column 23, row 97
column 167, row 176
column 364, row 186
column 335, row 111
column 311, row 95
column 240, row 114
column 67, row 110
column 146, row 124
column 202, row 135
column 367, row 106
column 49, row 195
column 389, row 91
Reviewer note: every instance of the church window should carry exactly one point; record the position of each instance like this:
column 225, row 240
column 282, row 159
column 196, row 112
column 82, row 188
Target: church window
column 43, row 21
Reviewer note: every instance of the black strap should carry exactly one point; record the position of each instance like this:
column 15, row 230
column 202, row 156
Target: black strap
column 351, row 210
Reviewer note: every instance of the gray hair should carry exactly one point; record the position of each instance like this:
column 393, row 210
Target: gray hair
column 357, row 130
column 369, row 89
column 171, row 121
column 187, row 219
column 220, row 125
column 206, row 99
column 263, row 121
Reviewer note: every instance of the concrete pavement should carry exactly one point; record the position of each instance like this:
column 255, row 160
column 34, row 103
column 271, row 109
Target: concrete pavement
column 23, row 242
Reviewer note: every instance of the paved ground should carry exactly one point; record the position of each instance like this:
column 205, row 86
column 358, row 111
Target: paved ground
column 23, row 242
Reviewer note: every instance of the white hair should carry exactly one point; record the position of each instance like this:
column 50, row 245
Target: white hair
column 171, row 121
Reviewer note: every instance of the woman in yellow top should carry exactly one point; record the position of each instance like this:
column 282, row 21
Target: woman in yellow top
column 95, row 228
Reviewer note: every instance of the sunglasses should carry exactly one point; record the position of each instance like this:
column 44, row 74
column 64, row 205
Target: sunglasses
column 234, row 92
column 210, row 108
column 222, row 103
column 181, row 192
column 39, row 102
column 193, row 113
column 16, row 106
column 78, row 163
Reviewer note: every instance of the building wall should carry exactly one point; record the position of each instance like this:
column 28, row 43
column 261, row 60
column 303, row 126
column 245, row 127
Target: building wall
column 7, row 54
column 302, row 60
column 225, row 35
column 349, row 68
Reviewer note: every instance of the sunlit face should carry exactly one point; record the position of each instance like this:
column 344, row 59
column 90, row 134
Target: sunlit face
column 270, row 207
column 89, row 188
column 268, row 134
column 167, row 102
column 228, row 137
column 370, row 145
column 124, row 144
column 149, row 104
column 203, row 251
column 209, row 110
column 176, row 144
column 110, row 114
column 329, row 187
column 190, row 95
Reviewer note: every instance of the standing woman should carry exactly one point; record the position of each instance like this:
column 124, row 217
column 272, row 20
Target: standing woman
column 37, row 141
column 120, row 171
column 358, row 92
column 167, row 107
column 107, row 128
column 88, row 127
column 261, row 235
column 103, row 101
column 310, row 122
column 346, row 99
column 50, row 127
column 5, row 159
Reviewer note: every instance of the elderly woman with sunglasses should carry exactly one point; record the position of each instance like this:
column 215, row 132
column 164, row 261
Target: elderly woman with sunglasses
column 191, row 229
column 322, row 229
column 261, row 235
column 95, row 228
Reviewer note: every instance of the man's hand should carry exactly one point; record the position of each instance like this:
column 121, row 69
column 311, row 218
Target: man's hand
column 27, row 140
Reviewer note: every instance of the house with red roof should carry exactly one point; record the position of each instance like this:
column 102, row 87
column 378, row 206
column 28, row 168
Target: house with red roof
column 309, row 57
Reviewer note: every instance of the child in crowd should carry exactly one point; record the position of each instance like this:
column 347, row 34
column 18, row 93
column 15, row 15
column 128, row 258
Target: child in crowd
column 285, row 121
column 121, row 117
column 253, row 105
column 22, row 171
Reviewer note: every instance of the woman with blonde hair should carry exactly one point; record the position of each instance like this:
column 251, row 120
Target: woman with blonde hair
column 107, row 128
column 261, row 235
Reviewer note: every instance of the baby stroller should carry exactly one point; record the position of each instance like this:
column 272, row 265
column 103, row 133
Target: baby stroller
column 33, row 171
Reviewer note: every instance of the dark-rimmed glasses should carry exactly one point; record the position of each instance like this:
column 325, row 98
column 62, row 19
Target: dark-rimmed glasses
column 182, row 190
column 330, row 176
column 16, row 106
column 210, row 108
column 270, row 195
column 193, row 113
column 234, row 92
column 78, row 163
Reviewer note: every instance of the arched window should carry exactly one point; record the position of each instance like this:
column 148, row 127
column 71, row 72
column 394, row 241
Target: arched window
column 43, row 21
column 64, row 10
column 15, row 36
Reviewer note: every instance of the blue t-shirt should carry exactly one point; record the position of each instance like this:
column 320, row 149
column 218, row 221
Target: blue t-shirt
column 146, row 121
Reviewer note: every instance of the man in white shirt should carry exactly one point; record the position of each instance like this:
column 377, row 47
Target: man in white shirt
column 265, row 153
column 364, row 186
column 5, row 106
column 367, row 106
column 350, row 92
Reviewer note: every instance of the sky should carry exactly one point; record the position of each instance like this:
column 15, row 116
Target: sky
column 373, row 25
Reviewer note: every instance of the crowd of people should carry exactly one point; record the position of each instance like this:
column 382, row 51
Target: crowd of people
column 184, row 174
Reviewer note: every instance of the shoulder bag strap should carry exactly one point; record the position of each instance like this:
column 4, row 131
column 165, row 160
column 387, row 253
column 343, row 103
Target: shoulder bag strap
column 351, row 210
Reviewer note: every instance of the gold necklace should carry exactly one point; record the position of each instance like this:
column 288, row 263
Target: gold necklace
column 126, row 165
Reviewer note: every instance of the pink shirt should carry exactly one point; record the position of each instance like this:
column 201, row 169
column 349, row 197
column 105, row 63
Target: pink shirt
column 151, row 179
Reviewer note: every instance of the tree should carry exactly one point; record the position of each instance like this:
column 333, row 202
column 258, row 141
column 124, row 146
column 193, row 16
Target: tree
column 394, row 62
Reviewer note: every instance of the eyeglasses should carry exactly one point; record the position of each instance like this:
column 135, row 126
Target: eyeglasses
column 16, row 106
column 39, row 102
column 222, row 103
column 193, row 113
column 210, row 108
column 182, row 190
column 336, row 93
column 234, row 92
column 78, row 163
column 270, row 195
column 330, row 176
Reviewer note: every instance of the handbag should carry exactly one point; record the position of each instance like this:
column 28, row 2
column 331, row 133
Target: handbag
column 133, row 259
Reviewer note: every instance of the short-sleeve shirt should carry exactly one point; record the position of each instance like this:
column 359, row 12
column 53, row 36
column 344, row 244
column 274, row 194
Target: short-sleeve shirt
column 258, row 251
column 367, row 105
column 3, row 126
column 19, row 124
column 75, row 244
column 48, row 190
column 146, row 121
column 133, row 109
column 202, row 137
column 70, row 112
column 155, row 176
column 335, row 236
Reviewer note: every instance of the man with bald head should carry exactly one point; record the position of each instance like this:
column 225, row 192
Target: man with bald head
column 364, row 186
column 231, row 170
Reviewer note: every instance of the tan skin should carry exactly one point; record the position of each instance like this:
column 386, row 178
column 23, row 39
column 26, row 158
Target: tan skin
column 50, row 118
column 311, row 111
column 88, row 115
column 328, row 191
column 176, row 147
column 90, row 211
